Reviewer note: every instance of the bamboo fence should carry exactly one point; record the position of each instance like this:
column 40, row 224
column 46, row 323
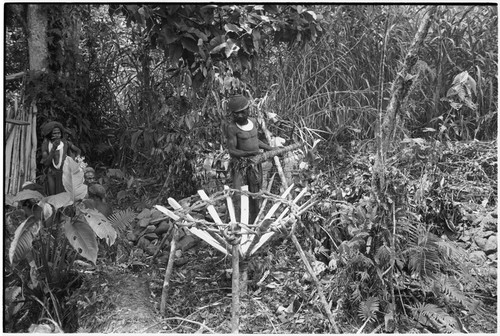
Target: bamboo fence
column 20, row 144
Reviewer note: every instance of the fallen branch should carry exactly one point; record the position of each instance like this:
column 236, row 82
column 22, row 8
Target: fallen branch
column 317, row 283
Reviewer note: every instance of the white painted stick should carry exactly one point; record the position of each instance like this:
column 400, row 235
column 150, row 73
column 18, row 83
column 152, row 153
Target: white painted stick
column 197, row 232
column 277, row 204
column 230, row 207
column 210, row 207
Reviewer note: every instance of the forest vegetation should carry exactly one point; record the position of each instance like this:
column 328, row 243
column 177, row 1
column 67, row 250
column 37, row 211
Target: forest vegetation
column 395, row 110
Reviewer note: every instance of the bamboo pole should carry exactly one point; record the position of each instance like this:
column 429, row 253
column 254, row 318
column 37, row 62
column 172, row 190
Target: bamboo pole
column 28, row 147
column 14, row 177
column 168, row 272
column 34, row 144
column 9, row 146
column 11, row 115
column 25, row 153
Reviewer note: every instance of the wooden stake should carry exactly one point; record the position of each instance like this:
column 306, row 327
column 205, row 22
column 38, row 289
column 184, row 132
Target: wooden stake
column 317, row 283
column 168, row 272
column 235, row 313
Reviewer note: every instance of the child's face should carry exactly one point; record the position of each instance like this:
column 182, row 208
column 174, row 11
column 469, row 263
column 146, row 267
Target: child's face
column 89, row 178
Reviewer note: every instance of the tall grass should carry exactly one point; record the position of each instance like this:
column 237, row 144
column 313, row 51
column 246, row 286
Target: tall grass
column 333, row 86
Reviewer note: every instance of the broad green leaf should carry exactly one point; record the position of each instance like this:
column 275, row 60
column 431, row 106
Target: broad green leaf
column 81, row 236
column 100, row 224
column 256, row 39
column 27, row 194
column 190, row 44
column 47, row 209
column 218, row 48
column 312, row 14
column 231, row 27
column 57, row 201
column 169, row 35
column 231, row 47
column 23, row 239
column 73, row 180
column 175, row 51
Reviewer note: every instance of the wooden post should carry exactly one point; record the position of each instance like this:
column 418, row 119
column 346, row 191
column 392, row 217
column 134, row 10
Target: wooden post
column 245, row 236
column 317, row 283
column 235, row 312
column 168, row 272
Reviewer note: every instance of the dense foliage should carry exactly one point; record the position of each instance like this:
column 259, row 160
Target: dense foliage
column 143, row 88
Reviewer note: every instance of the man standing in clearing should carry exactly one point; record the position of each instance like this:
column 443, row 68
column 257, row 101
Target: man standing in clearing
column 243, row 144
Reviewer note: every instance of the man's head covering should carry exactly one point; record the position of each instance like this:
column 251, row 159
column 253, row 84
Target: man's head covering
column 48, row 127
column 238, row 103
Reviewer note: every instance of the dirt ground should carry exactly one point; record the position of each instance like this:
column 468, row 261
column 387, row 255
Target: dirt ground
column 125, row 298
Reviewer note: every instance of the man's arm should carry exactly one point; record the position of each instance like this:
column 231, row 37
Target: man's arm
column 47, row 155
column 265, row 146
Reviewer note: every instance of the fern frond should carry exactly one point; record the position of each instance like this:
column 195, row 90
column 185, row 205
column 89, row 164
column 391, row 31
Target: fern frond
column 451, row 288
column 122, row 219
column 356, row 294
column 383, row 255
column 23, row 239
column 422, row 261
column 450, row 249
column 368, row 308
column 363, row 276
column 422, row 253
column 431, row 315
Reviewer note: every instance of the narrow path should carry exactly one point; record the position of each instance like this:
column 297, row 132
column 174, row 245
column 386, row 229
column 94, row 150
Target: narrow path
column 129, row 307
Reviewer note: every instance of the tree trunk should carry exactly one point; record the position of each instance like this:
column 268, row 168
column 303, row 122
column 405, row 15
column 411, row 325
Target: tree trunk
column 399, row 90
column 37, row 39
column 403, row 81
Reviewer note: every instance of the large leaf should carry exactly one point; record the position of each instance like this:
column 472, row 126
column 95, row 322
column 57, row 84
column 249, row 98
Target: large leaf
column 27, row 194
column 57, row 201
column 73, row 180
column 100, row 224
column 81, row 236
column 23, row 239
